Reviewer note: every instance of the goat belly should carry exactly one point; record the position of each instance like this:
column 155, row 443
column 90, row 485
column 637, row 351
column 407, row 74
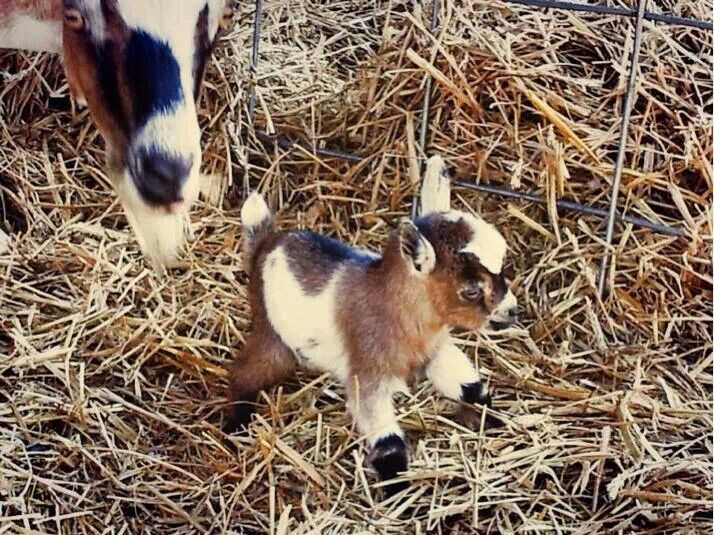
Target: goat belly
column 306, row 322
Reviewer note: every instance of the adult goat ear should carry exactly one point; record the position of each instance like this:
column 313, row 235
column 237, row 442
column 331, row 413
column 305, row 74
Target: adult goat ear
column 435, row 193
column 415, row 248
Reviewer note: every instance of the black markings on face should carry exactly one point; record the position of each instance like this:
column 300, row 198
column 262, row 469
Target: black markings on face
column 500, row 287
column 162, row 175
column 153, row 75
column 477, row 277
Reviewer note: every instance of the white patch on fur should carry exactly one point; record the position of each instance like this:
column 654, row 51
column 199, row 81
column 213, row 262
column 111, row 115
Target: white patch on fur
column 254, row 210
column 307, row 324
column 28, row 33
column 160, row 234
column 487, row 243
column 435, row 188
column 94, row 19
column 374, row 411
column 450, row 368
column 173, row 22
column 425, row 257
column 4, row 242
column 501, row 312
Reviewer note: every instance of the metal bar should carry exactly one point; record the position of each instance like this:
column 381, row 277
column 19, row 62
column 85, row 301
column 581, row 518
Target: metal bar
column 624, row 126
column 570, row 205
column 621, row 11
column 612, row 214
column 287, row 144
column 680, row 21
column 254, row 58
column 425, row 105
column 254, row 82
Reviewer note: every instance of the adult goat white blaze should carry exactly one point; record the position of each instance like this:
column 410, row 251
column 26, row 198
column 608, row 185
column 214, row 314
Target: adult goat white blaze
column 372, row 320
column 138, row 65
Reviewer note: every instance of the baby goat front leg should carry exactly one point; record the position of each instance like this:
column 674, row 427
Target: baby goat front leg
column 453, row 374
column 372, row 406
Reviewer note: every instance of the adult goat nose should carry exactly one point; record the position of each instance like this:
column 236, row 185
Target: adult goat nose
column 160, row 176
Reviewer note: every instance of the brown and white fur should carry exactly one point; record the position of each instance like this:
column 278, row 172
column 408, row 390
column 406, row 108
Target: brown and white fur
column 138, row 65
column 372, row 320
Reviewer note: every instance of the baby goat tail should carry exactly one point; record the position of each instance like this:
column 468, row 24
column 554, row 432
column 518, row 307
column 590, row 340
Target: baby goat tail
column 258, row 224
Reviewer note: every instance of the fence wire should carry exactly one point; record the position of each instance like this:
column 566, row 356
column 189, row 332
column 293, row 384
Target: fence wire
column 611, row 215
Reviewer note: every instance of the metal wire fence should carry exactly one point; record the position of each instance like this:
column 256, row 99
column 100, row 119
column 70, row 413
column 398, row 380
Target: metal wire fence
column 611, row 215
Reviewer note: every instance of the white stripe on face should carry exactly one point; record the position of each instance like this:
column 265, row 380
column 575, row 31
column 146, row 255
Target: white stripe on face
column 503, row 312
column 161, row 55
column 487, row 244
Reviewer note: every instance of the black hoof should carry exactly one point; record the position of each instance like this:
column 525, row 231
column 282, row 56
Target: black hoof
column 389, row 458
column 476, row 392
column 492, row 422
column 238, row 417
column 394, row 488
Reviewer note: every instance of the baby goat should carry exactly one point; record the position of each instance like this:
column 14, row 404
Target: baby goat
column 370, row 320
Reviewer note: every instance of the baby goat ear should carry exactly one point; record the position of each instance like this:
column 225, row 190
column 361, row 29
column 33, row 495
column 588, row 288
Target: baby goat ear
column 415, row 248
column 435, row 187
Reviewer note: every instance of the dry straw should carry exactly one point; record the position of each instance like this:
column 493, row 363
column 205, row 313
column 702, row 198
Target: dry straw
column 111, row 375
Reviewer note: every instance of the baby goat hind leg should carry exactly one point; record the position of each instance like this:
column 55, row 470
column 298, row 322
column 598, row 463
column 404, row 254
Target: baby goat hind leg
column 263, row 362
column 372, row 406
column 453, row 374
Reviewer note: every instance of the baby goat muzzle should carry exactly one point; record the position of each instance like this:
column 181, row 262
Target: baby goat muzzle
column 506, row 314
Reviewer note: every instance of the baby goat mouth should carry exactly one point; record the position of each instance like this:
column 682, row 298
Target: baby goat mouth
column 499, row 325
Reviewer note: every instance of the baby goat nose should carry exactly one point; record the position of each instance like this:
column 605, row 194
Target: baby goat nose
column 160, row 176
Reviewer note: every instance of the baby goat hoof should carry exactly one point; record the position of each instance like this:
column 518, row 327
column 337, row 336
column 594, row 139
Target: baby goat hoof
column 238, row 417
column 389, row 458
column 476, row 392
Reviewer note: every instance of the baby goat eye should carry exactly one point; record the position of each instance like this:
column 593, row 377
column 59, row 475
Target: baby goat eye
column 470, row 293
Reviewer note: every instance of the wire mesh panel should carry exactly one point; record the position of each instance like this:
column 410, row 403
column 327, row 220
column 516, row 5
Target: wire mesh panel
column 611, row 215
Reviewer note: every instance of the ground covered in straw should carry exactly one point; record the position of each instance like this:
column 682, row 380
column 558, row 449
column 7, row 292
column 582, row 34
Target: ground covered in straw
column 111, row 374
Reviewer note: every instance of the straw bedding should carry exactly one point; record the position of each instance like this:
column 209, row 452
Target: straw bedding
column 111, row 374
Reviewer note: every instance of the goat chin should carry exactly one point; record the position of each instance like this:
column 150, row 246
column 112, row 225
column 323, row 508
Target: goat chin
column 161, row 234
